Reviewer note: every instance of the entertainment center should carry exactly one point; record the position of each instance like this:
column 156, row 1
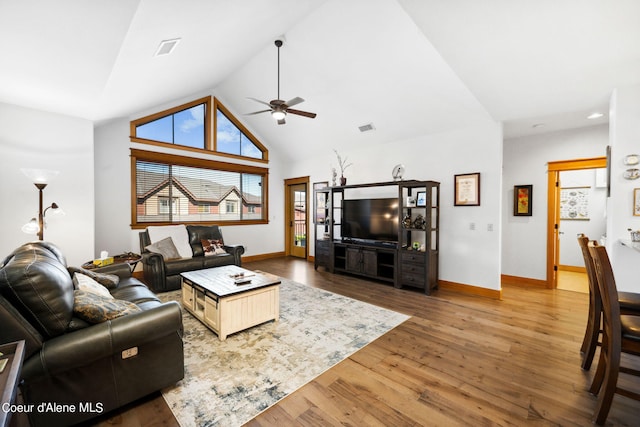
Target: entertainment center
column 388, row 231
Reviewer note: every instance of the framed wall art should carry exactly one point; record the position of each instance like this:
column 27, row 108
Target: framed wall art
column 574, row 203
column 636, row 202
column 522, row 200
column 467, row 189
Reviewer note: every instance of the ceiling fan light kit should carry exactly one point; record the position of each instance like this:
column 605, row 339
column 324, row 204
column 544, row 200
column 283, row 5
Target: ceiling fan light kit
column 278, row 114
column 279, row 108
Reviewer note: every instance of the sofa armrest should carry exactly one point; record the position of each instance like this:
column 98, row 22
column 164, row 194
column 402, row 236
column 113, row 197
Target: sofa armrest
column 154, row 271
column 121, row 270
column 103, row 340
column 236, row 251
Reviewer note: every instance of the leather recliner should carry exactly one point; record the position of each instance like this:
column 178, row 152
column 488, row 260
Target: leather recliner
column 91, row 368
column 164, row 275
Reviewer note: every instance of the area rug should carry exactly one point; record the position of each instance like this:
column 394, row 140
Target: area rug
column 228, row 383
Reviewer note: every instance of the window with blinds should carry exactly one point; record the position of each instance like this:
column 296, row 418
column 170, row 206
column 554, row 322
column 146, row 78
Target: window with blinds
column 176, row 189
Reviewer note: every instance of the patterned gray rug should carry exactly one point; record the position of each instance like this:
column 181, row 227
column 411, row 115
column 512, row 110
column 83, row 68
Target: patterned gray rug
column 228, row 383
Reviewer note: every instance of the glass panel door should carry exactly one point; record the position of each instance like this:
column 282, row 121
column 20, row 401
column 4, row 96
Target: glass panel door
column 298, row 220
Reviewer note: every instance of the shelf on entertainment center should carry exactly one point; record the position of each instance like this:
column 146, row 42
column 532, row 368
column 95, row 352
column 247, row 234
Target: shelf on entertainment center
column 386, row 261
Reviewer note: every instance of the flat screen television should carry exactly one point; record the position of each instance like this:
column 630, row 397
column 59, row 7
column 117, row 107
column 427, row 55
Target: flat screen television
column 370, row 220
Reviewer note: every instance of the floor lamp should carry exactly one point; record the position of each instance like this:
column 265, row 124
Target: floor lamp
column 40, row 178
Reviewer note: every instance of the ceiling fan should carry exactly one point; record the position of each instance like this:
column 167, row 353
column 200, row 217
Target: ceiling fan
column 279, row 108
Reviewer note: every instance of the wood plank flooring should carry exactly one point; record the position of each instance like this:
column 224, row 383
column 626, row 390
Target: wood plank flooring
column 459, row 360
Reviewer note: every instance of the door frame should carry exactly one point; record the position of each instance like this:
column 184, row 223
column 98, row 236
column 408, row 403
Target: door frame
column 288, row 205
column 553, row 208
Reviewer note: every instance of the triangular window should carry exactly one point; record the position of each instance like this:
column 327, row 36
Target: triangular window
column 232, row 138
column 189, row 125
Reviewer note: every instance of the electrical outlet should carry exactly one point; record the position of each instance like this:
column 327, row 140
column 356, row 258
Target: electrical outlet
column 472, row 226
column 489, row 227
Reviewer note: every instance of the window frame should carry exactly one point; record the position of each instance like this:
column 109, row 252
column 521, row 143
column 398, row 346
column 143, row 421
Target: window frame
column 217, row 105
column 212, row 105
column 177, row 160
column 133, row 125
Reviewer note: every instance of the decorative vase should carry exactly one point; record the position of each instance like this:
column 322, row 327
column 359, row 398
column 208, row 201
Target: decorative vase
column 343, row 180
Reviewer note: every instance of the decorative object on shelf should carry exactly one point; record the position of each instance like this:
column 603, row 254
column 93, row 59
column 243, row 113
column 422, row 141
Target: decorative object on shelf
column 398, row 172
column 334, row 176
column 522, row 198
column 636, row 202
column 631, row 174
column 574, row 203
column 343, row 166
column 416, row 245
column 411, row 202
column 419, row 222
column 467, row 189
column 40, row 178
column 635, row 235
column 422, row 199
column 631, row 159
column 406, row 221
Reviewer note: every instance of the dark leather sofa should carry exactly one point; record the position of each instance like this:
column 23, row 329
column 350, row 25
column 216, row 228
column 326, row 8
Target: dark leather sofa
column 92, row 368
column 164, row 275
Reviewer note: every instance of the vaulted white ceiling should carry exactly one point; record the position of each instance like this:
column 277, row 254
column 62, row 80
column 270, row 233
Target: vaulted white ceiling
column 410, row 67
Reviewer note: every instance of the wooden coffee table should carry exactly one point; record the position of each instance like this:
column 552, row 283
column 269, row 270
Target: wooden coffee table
column 216, row 298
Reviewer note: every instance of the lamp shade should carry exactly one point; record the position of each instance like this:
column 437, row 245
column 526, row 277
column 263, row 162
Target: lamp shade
column 31, row 227
column 40, row 176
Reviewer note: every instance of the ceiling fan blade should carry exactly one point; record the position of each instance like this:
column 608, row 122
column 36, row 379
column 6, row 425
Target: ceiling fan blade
column 302, row 113
column 257, row 112
column 281, row 122
column 295, row 101
column 261, row 102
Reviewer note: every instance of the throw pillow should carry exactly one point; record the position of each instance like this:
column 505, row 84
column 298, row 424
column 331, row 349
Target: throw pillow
column 213, row 246
column 164, row 247
column 178, row 233
column 109, row 281
column 94, row 308
column 86, row 283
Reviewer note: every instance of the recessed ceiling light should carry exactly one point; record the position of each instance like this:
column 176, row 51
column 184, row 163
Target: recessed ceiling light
column 594, row 116
column 166, row 47
column 538, row 125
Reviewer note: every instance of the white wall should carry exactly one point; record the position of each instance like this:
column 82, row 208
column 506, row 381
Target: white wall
column 36, row 139
column 113, row 187
column 524, row 239
column 467, row 256
column 625, row 139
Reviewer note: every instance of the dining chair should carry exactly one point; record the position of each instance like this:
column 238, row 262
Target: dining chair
column 620, row 334
column 629, row 305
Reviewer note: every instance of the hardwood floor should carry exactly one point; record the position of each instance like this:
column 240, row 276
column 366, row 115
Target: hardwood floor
column 459, row 360
column 573, row 281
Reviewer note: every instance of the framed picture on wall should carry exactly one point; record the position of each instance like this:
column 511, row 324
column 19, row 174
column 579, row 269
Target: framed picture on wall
column 574, row 203
column 467, row 189
column 522, row 200
column 636, row 202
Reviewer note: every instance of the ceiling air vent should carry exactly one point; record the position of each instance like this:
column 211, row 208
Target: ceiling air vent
column 166, row 47
column 366, row 128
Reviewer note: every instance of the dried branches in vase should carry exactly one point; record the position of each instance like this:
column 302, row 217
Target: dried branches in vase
column 343, row 166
